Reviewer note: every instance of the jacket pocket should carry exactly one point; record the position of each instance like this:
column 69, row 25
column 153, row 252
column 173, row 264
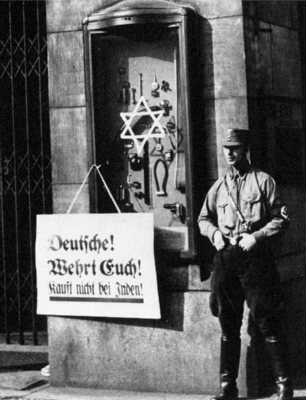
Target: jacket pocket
column 251, row 206
column 222, row 209
column 226, row 216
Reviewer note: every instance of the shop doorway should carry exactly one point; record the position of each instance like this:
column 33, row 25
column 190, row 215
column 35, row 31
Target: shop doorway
column 25, row 174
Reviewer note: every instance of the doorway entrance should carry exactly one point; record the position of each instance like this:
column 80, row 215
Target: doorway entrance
column 25, row 168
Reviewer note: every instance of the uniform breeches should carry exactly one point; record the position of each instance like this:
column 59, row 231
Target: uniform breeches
column 246, row 276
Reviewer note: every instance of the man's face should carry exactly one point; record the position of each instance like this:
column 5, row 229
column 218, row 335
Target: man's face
column 234, row 155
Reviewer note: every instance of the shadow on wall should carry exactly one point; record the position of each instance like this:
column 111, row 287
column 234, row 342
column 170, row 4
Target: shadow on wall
column 259, row 375
column 295, row 318
column 204, row 139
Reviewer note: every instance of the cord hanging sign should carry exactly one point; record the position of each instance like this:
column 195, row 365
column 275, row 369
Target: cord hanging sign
column 96, row 265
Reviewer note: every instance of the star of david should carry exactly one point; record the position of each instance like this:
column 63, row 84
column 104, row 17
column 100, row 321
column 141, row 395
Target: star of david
column 128, row 133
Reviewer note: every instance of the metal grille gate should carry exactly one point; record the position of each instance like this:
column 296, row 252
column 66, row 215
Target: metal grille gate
column 25, row 174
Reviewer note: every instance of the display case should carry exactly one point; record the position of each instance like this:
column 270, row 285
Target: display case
column 137, row 58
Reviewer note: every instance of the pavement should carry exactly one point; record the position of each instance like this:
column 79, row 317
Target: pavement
column 52, row 393
column 32, row 385
column 21, row 378
column 48, row 392
column 43, row 391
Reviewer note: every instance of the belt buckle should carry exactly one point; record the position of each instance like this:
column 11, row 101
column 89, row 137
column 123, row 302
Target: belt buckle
column 233, row 241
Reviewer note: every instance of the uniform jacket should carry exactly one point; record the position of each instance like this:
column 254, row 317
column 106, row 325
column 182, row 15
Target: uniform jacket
column 256, row 197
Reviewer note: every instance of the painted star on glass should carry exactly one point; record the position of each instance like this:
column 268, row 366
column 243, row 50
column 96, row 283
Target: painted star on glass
column 155, row 130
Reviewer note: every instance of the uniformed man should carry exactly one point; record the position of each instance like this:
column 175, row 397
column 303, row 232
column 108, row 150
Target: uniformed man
column 241, row 214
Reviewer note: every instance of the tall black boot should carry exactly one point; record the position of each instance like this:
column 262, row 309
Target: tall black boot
column 277, row 348
column 229, row 367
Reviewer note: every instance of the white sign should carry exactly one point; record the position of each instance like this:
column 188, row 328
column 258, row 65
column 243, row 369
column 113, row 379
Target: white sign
column 96, row 265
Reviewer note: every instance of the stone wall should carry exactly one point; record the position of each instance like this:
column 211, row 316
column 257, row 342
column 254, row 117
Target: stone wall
column 179, row 353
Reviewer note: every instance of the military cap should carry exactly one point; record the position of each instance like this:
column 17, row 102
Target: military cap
column 236, row 137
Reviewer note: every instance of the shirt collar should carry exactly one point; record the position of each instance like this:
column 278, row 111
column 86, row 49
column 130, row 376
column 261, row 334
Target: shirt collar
column 241, row 172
